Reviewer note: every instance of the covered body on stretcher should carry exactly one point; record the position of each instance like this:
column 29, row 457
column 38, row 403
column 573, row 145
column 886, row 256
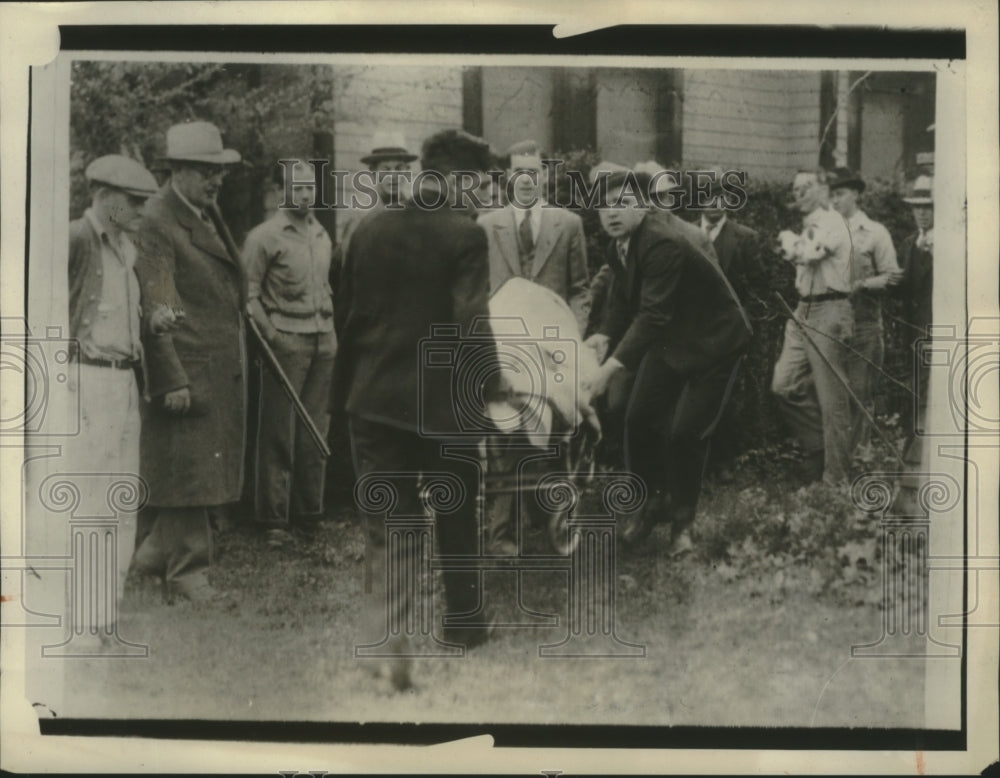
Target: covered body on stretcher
column 546, row 373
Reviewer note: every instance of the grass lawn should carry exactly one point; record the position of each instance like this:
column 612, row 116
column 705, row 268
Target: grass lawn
column 727, row 644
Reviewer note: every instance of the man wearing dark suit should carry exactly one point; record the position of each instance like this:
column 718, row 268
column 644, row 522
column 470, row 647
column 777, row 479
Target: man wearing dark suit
column 916, row 260
column 192, row 441
column 531, row 239
column 733, row 244
column 674, row 319
column 407, row 271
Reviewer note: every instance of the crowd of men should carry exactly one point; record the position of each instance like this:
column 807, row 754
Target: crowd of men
column 160, row 295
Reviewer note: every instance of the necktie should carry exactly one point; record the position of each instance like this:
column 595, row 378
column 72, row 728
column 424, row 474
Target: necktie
column 525, row 234
column 622, row 251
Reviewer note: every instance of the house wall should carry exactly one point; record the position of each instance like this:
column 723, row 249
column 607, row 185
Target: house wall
column 627, row 129
column 763, row 121
column 413, row 101
column 517, row 105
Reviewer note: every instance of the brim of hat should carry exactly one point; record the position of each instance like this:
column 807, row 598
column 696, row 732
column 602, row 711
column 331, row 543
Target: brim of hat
column 852, row 183
column 383, row 157
column 224, row 157
column 919, row 200
column 125, row 189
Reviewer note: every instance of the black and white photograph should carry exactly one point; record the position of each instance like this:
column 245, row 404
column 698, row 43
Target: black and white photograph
column 628, row 389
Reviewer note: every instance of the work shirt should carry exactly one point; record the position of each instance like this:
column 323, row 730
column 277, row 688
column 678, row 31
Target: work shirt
column 832, row 272
column 287, row 264
column 874, row 255
column 114, row 331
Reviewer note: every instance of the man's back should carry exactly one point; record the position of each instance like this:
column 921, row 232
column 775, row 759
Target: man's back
column 406, row 272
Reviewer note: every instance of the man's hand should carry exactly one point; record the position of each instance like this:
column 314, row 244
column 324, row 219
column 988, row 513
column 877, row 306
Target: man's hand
column 599, row 343
column 603, row 376
column 177, row 401
column 895, row 278
column 162, row 319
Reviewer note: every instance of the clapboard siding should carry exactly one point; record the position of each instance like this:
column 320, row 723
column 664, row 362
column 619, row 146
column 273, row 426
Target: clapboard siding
column 763, row 121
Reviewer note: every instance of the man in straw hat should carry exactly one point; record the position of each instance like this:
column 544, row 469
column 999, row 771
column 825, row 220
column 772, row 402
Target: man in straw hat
column 916, row 256
column 104, row 317
column 875, row 271
column 287, row 262
column 193, row 425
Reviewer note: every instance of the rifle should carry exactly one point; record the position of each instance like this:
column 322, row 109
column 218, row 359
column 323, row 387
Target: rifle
column 265, row 348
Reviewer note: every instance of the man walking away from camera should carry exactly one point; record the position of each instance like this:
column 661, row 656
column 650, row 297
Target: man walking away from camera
column 408, row 271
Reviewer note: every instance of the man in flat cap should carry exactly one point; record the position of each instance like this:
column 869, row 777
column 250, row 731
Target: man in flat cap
column 408, row 271
column 287, row 262
column 193, row 426
column 104, row 317
column 531, row 239
column 875, row 271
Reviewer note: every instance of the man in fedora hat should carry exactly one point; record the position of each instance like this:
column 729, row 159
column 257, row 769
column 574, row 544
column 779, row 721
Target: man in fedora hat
column 875, row 270
column 193, row 425
column 104, row 317
column 287, row 262
column 916, row 255
column 388, row 164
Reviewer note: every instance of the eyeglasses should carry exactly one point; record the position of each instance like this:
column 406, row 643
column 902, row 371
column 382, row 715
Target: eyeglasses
column 210, row 171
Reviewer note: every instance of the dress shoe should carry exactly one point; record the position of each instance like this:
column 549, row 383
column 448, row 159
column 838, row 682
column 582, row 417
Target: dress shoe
column 202, row 595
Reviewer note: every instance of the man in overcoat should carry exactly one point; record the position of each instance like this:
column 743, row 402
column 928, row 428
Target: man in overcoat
column 192, row 440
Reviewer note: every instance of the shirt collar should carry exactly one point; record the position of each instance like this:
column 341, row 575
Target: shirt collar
column 194, row 209
column 713, row 229
column 536, row 210
column 102, row 231
column 859, row 219
column 304, row 226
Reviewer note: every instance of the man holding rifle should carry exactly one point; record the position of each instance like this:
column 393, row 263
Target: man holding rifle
column 287, row 262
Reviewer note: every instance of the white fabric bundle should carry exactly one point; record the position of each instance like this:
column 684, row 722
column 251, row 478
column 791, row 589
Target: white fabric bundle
column 544, row 365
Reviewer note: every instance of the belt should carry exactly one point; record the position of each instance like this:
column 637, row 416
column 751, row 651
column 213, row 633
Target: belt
column 822, row 298
column 118, row 364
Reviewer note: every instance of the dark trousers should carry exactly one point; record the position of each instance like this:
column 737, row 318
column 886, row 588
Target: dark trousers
column 176, row 544
column 669, row 422
column 409, row 461
column 288, row 468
